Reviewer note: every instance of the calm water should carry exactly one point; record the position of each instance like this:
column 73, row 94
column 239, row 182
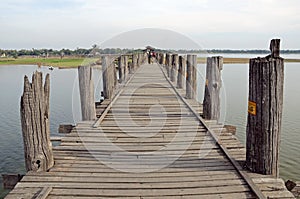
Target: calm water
column 64, row 104
column 62, row 101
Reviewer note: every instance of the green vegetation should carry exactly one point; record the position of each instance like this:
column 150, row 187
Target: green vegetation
column 58, row 62
column 78, row 52
column 66, row 58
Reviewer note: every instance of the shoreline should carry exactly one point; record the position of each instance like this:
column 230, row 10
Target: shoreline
column 67, row 63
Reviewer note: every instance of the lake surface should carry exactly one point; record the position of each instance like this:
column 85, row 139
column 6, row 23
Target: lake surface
column 62, row 100
column 64, row 108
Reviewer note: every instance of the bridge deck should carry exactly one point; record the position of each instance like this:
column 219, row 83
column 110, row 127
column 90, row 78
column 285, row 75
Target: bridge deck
column 149, row 145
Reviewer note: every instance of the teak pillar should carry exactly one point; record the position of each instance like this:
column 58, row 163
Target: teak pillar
column 108, row 77
column 266, row 77
column 191, row 76
column 174, row 68
column 86, row 88
column 35, row 123
column 181, row 72
column 211, row 103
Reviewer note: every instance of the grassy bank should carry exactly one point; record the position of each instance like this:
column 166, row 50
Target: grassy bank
column 72, row 62
column 68, row 62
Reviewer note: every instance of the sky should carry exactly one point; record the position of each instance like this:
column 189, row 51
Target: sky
column 211, row 24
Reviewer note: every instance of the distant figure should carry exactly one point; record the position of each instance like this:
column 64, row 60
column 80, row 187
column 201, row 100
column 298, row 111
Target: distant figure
column 51, row 68
column 153, row 56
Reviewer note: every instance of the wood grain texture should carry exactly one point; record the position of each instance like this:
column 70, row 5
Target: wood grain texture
column 85, row 162
column 191, row 76
column 108, row 76
column 181, row 77
column 174, row 68
column 86, row 88
column 211, row 103
column 266, row 76
column 35, row 123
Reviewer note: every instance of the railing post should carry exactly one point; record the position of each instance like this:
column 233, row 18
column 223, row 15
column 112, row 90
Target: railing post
column 168, row 64
column 108, row 77
column 125, row 67
column 191, row 78
column 121, row 69
column 134, row 63
column 35, row 123
column 139, row 59
column 86, row 88
column 174, row 67
column 211, row 103
column 181, row 72
column 266, row 77
column 162, row 58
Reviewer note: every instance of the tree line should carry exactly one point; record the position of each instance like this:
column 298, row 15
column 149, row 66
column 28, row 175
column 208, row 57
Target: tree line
column 95, row 50
column 78, row 52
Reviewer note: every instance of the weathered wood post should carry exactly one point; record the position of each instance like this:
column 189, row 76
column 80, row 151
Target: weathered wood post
column 181, row 72
column 107, row 77
column 195, row 73
column 114, row 75
column 191, row 77
column 266, row 77
column 162, row 58
column 86, row 88
column 174, row 67
column 121, row 69
column 168, row 64
column 211, row 103
column 35, row 123
column 134, row 63
column 139, row 59
column 126, row 67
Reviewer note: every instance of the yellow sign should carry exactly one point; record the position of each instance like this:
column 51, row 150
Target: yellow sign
column 252, row 108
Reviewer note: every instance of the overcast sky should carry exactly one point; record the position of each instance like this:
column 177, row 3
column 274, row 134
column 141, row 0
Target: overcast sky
column 226, row 24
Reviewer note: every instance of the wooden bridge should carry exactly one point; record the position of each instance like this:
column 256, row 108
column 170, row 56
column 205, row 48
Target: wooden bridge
column 149, row 142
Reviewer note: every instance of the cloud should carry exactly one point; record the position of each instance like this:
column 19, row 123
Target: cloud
column 84, row 22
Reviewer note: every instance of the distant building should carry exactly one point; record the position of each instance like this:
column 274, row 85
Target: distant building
column 3, row 55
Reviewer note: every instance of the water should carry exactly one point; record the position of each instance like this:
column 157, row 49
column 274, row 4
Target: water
column 64, row 102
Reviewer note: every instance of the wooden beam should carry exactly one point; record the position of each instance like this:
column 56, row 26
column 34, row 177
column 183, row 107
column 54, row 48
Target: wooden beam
column 65, row 128
column 10, row 180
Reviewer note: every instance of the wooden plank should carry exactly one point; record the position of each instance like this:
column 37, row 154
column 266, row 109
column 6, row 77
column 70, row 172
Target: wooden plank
column 56, row 183
column 44, row 192
column 253, row 187
column 150, row 192
column 84, row 170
